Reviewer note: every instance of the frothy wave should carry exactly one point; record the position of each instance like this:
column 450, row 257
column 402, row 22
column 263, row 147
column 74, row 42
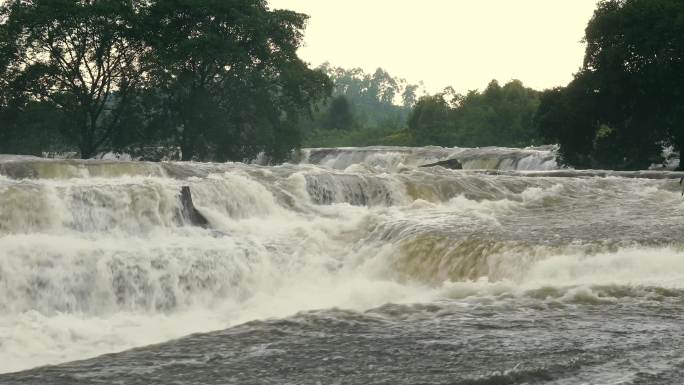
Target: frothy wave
column 96, row 256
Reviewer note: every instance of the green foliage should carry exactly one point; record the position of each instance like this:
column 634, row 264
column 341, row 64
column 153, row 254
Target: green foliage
column 568, row 116
column 374, row 98
column 631, row 81
column 32, row 128
column 218, row 78
column 359, row 137
column 366, row 109
column 498, row 116
column 234, row 84
column 77, row 58
column 339, row 114
column 430, row 120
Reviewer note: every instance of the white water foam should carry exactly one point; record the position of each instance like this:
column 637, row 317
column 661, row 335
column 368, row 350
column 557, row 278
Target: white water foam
column 92, row 262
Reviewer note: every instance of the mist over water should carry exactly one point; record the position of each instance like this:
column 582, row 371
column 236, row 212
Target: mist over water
column 349, row 266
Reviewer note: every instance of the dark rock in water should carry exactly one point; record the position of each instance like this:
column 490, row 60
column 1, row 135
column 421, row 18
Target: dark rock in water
column 188, row 210
column 453, row 164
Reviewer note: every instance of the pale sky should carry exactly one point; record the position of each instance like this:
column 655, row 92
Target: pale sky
column 459, row 43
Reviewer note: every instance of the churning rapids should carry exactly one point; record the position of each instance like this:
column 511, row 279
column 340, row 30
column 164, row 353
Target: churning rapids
column 352, row 266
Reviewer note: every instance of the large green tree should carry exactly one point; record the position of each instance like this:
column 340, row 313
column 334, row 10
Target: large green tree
column 628, row 99
column 429, row 121
column 76, row 59
column 232, row 83
column 498, row 116
column 218, row 78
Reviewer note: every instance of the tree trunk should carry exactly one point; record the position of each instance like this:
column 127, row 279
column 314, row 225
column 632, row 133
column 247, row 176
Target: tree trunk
column 87, row 142
column 86, row 148
column 188, row 140
column 187, row 147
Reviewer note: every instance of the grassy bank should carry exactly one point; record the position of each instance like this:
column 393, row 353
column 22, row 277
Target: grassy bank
column 375, row 136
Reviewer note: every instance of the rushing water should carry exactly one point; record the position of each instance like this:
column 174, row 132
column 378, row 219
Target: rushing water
column 354, row 266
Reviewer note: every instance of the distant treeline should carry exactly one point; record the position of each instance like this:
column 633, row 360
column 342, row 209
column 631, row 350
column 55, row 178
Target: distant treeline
column 497, row 116
column 219, row 79
column 622, row 108
column 364, row 109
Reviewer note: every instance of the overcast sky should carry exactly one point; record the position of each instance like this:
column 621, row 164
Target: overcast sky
column 461, row 43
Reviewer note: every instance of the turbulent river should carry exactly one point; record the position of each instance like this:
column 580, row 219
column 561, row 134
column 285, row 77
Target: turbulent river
column 349, row 266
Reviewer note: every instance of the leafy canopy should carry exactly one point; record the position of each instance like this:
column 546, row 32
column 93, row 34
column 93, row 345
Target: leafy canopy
column 218, row 78
column 628, row 99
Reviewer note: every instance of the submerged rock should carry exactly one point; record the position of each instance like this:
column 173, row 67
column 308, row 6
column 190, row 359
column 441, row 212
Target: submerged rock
column 188, row 210
column 453, row 164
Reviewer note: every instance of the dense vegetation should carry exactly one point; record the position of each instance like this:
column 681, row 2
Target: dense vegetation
column 221, row 80
column 498, row 116
column 621, row 109
column 627, row 101
column 365, row 109
column 366, row 112
column 218, row 78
